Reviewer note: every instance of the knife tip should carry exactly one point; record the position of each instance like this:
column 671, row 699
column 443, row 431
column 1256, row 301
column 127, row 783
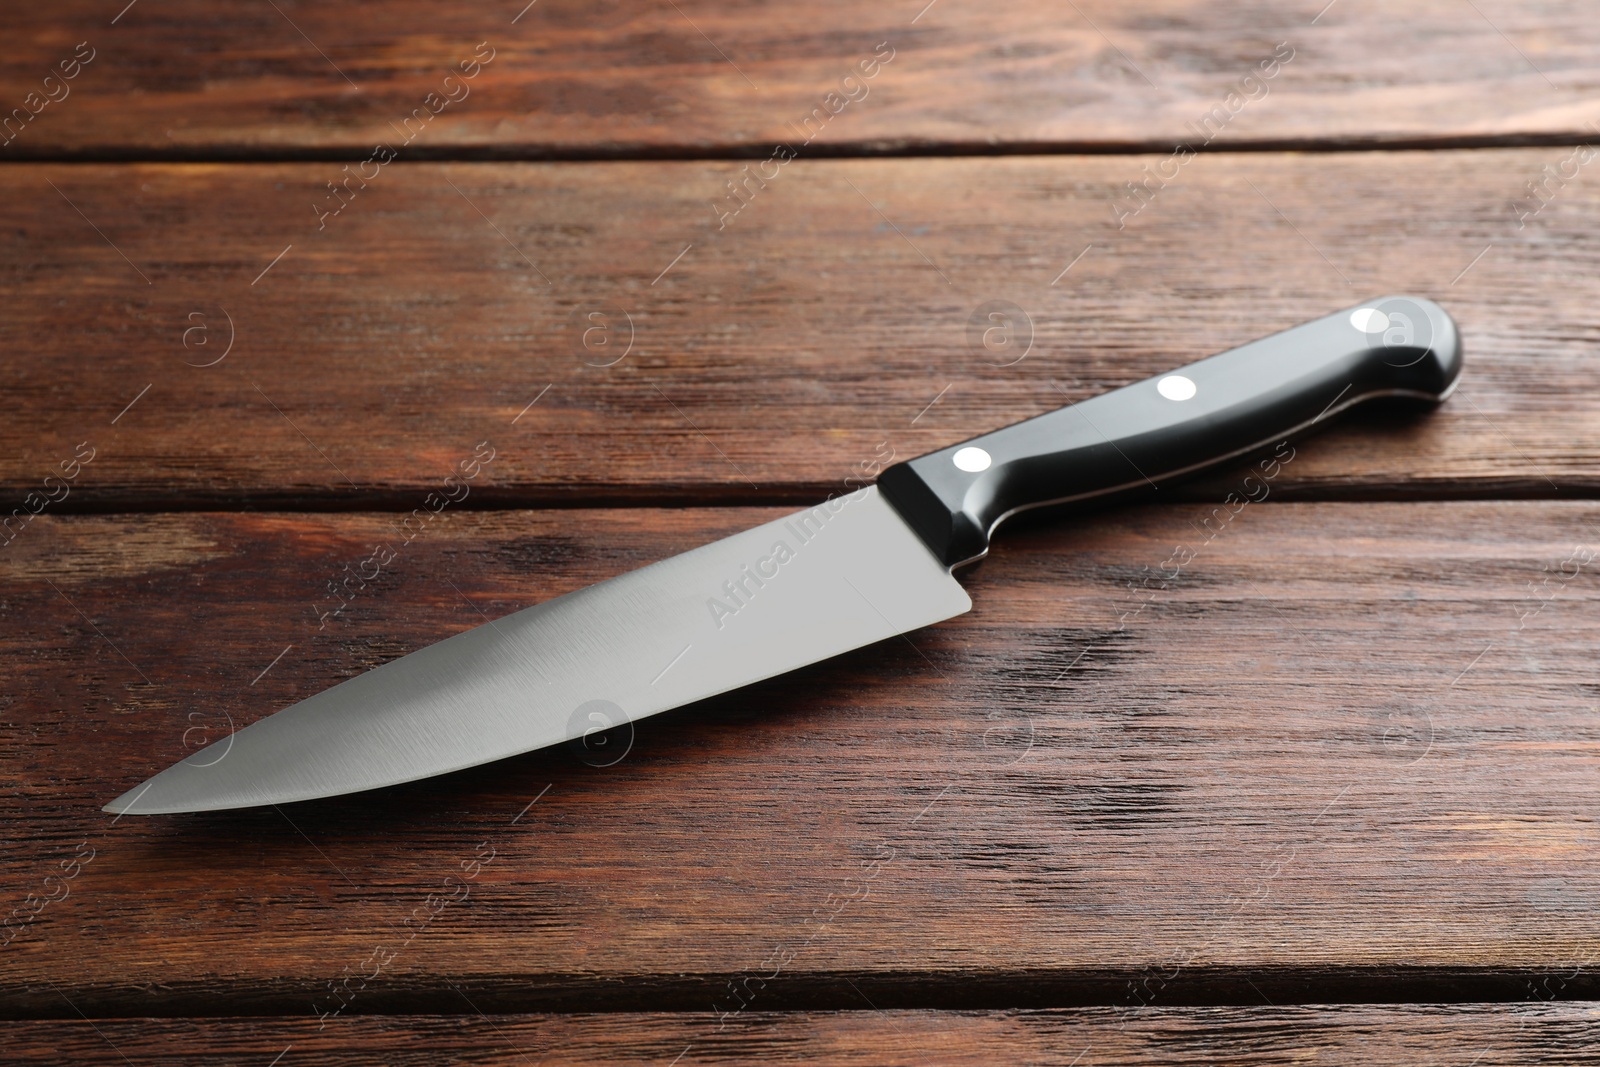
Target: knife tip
column 124, row 805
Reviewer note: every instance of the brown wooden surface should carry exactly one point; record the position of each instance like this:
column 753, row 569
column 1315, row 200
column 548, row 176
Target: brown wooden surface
column 591, row 77
column 777, row 354
column 1480, row 1034
column 1298, row 766
column 1180, row 769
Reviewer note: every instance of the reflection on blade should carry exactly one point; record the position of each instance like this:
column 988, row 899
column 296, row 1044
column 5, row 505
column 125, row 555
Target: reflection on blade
column 751, row 606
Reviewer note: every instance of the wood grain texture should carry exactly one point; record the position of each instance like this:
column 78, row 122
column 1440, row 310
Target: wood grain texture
column 1486, row 1035
column 605, row 77
column 1347, row 753
column 1182, row 765
column 827, row 325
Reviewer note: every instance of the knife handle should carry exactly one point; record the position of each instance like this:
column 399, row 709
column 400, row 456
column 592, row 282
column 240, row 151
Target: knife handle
column 1202, row 414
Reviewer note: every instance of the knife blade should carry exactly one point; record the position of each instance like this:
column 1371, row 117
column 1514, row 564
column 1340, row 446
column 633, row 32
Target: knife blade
column 851, row 571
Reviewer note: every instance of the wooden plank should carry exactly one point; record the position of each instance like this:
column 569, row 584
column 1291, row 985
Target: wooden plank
column 827, row 327
column 1347, row 753
column 577, row 78
column 1489, row 1035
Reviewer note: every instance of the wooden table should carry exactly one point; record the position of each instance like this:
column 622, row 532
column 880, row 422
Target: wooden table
column 270, row 271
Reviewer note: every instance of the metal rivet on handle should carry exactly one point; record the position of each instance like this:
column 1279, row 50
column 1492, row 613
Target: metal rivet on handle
column 1176, row 387
column 972, row 459
column 1369, row 320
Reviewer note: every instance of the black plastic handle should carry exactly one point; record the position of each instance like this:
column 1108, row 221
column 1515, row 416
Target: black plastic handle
column 1199, row 415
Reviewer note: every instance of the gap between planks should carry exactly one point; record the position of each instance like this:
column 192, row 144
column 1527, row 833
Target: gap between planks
column 628, row 153
column 1197, row 987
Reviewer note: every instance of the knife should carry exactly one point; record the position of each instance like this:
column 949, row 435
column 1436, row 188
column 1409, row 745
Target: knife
column 851, row 571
